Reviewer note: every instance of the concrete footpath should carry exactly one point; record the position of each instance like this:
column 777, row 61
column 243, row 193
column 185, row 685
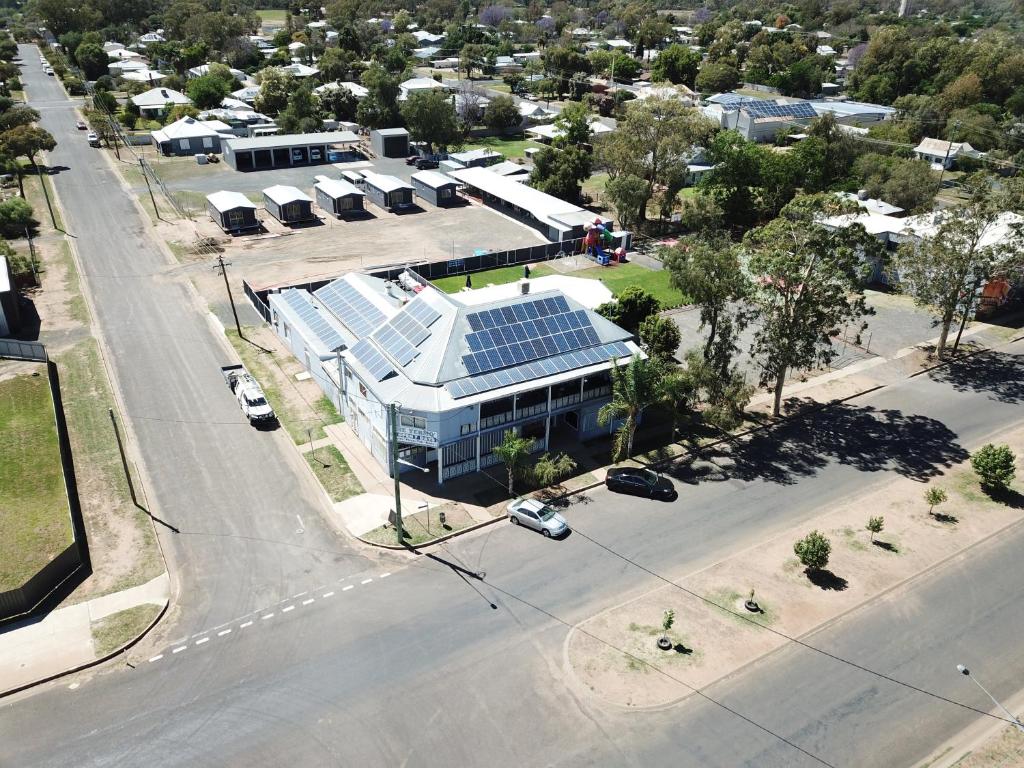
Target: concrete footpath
column 39, row 648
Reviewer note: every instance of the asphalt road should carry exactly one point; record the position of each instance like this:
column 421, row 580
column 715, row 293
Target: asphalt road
column 233, row 492
column 432, row 666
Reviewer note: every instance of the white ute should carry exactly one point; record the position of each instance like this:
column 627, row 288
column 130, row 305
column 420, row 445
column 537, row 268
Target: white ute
column 249, row 394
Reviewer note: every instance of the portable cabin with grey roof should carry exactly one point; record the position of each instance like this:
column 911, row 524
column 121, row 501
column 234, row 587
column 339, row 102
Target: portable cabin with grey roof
column 338, row 197
column 289, row 205
column 387, row 192
column 233, row 212
column 10, row 315
column 390, row 142
column 436, row 188
column 261, row 153
column 464, row 373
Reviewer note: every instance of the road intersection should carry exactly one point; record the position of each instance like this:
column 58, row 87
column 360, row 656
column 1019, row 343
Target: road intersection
column 431, row 666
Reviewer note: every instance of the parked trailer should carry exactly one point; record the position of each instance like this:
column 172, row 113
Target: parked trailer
column 249, row 394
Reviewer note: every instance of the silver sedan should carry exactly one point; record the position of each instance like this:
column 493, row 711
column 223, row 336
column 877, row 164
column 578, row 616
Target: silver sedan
column 537, row 515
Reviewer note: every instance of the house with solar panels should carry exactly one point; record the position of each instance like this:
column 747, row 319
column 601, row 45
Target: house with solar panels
column 462, row 373
column 760, row 120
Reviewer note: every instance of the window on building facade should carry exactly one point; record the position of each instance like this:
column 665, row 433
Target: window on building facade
column 416, row 422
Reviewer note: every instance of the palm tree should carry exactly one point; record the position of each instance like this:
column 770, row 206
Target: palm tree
column 513, row 451
column 641, row 383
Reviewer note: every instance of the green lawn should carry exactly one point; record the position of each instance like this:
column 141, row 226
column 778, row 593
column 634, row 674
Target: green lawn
column 511, row 147
column 35, row 524
column 499, row 276
column 333, row 472
column 273, row 15
column 113, row 631
column 622, row 276
column 616, row 278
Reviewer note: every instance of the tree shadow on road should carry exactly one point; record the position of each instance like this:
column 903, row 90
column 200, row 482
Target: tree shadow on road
column 1000, row 375
column 870, row 439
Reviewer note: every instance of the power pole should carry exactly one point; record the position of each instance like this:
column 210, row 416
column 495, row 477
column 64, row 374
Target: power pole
column 227, row 284
column 142, row 167
column 32, row 256
column 46, row 193
column 393, row 418
column 945, row 162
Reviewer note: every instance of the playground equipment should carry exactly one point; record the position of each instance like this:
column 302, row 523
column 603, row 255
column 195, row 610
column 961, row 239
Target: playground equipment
column 596, row 237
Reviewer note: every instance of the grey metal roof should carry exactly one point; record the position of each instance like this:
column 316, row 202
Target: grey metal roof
column 226, row 201
column 291, row 140
column 319, row 323
column 337, row 187
column 392, row 132
column 433, row 179
column 383, row 182
column 283, row 194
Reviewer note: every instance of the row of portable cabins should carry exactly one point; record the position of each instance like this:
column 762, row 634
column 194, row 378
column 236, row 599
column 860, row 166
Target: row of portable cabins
column 235, row 213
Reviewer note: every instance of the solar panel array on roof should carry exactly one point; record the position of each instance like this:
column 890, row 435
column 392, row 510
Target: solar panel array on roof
column 351, row 307
column 538, row 369
column 406, row 331
column 771, row 109
column 523, row 332
column 372, row 360
column 311, row 317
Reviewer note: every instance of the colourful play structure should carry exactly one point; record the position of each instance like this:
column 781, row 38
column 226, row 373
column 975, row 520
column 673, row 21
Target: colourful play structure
column 594, row 241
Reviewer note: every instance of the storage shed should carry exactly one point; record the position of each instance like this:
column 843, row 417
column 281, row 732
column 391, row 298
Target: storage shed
column 387, row 191
column 435, row 188
column 289, row 205
column 390, row 142
column 234, row 212
column 338, row 196
column 10, row 317
column 261, row 153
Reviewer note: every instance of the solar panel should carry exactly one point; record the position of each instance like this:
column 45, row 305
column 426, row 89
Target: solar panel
column 547, row 367
column 374, row 362
column 524, row 332
column 312, row 318
column 403, row 333
column 357, row 312
column 418, row 309
column 771, row 109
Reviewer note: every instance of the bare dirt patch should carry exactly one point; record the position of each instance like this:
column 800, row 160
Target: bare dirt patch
column 610, row 658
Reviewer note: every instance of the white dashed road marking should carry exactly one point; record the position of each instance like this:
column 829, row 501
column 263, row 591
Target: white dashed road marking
column 205, row 637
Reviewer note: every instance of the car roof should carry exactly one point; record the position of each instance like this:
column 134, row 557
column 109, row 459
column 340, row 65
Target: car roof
column 628, row 471
column 531, row 504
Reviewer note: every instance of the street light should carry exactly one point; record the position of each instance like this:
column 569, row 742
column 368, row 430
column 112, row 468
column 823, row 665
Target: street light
column 967, row 673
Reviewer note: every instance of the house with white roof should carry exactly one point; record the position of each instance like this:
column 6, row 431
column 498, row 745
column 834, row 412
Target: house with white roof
column 151, row 37
column 944, row 154
column 422, row 36
column 547, row 133
column 297, row 69
column 143, row 76
column 158, row 101
column 418, row 84
column 465, row 368
column 189, row 136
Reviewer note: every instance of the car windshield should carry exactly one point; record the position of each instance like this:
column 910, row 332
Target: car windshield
column 545, row 513
column 649, row 477
column 256, row 401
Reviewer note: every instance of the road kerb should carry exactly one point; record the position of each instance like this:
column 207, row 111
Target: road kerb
column 89, row 664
